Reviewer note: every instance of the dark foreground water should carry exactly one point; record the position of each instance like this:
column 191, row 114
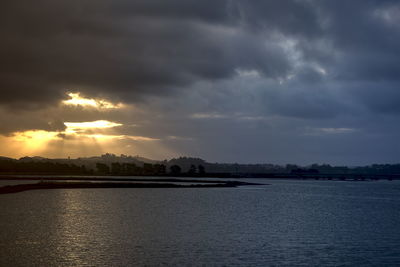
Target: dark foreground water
column 288, row 223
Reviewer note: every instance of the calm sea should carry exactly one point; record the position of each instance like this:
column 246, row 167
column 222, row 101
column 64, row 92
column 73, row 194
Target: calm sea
column 286, row 223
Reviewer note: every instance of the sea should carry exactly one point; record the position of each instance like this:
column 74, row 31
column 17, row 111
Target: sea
column 278, row 223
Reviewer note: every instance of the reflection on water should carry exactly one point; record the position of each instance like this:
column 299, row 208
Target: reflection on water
column 308, row 223
column 73, row 235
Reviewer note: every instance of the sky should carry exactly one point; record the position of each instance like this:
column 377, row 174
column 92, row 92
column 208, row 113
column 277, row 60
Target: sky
column 299, row 81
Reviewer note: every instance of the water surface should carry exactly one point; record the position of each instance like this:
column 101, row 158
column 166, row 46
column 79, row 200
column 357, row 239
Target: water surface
column 286, row 223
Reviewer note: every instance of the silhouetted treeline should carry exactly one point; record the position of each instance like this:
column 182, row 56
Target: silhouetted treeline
column 117, row 168
column 259, row 169
column 147, row 169
column 110, row 164
column 382, row 169
column 42, row 167
column 304, row 171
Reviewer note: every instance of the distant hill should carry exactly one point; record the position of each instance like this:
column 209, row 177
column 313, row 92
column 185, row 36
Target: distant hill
column 6, row 158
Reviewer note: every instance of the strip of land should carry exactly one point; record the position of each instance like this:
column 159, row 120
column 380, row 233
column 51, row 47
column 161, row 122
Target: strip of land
column 9, row 189
column 105, row 179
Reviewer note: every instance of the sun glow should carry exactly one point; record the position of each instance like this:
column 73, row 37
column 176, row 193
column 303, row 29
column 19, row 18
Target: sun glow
column 100, row 124
column 38, row 141
column 77, row 100
column 29, row 142
column 121, row 137
column 78, row 138
column 34, row 139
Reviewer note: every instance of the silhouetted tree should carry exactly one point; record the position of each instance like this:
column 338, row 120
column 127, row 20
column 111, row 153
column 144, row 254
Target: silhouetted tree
column 202, row 170
column 83, row 169
column 102, row 168
column 148, row 169
column 116, row 168
column 130, row 169
column 159, row 169
column 192, row 169
column 175, row 170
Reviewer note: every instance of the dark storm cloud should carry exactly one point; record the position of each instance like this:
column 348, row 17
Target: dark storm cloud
column 13, row 121
column 368, row 36
column 130, row 48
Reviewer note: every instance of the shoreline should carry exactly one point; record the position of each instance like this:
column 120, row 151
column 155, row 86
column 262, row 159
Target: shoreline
column 10, row 189
column 161, row 178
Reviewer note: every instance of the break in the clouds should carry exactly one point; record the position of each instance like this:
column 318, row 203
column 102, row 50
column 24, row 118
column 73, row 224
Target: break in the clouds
column 267, row 81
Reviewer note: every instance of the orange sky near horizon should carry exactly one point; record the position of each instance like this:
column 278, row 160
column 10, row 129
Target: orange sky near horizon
column 81, row 138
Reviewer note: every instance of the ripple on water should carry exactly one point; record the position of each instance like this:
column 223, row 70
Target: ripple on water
column 283, row 224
